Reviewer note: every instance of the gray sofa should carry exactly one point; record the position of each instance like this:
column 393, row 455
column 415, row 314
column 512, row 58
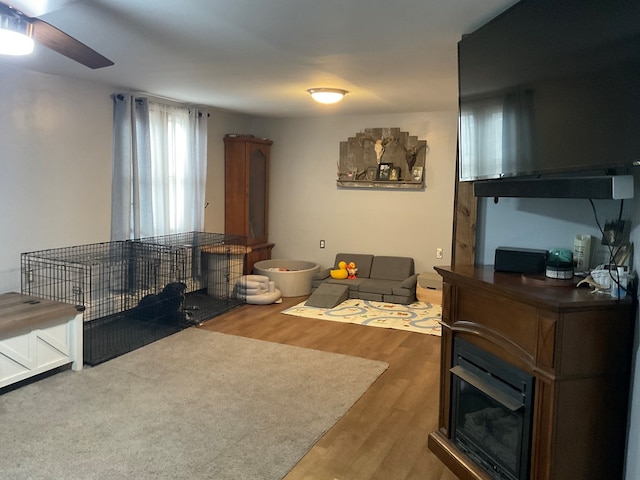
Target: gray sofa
column 379, row 278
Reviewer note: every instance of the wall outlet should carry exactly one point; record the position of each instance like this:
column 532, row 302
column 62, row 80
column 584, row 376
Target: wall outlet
column 439, row 253
column 321, row 243
column 615, row 233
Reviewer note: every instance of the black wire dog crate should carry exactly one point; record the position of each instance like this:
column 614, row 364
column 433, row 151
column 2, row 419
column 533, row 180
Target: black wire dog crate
column 134, row 292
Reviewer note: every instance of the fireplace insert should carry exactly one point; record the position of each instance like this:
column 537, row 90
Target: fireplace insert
column 491, row 412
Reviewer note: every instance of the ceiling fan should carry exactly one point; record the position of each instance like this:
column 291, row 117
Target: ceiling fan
column 13, row 19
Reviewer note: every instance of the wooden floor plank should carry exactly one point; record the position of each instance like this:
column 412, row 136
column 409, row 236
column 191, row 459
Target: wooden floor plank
column 384, row 435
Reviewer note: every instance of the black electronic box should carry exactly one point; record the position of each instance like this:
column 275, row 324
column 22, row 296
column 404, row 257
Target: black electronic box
column 520, row 260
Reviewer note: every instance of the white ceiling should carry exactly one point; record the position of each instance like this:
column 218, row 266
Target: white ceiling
column 260, row 56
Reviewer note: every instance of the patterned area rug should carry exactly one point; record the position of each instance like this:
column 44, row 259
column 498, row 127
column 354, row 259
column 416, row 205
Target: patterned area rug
column 417, row 317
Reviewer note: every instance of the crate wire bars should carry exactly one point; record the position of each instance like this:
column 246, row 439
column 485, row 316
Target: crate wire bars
column 122, row 286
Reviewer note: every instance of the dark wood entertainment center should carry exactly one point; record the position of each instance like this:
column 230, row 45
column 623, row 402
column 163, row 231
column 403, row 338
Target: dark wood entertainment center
column 577, row 345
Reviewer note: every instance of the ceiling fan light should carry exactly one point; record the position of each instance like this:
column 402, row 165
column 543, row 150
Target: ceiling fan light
column 14, row 43
column 327, row 95
column 15, row 33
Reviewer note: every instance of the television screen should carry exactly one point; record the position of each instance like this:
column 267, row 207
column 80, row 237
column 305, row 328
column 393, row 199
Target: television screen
column 551, row 86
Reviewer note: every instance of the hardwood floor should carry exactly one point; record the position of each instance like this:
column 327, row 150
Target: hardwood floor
column 384, row 435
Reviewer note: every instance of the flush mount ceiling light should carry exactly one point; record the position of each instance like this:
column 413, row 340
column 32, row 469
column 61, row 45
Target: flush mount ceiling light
column 15, row 32
column 327, row 95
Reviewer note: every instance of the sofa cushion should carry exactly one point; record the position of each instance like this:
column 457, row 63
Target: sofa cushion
column 328, row 295
column 321, row 275
column 374, row 297
column 353, row 284
column 400, row 299
column 410, row 282
column 403, row 292
column 363, row 262
column 392, row 268
column 378, row 286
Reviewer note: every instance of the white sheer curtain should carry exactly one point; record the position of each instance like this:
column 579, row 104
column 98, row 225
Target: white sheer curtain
column 159, row 168
column 496, row 135
column 518, row 145
column 481, row 139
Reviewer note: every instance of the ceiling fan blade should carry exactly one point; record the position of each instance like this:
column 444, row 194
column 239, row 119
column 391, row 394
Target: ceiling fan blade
column 36, row 8
column 55, row 39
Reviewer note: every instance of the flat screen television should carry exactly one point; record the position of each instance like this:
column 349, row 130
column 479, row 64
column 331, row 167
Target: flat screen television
column 551, row 87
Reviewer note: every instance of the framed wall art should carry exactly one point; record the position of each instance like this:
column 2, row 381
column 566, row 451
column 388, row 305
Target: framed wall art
column 382, row 158
column 384, row 171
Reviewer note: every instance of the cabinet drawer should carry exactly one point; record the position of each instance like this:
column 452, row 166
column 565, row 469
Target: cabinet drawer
column 499, row 318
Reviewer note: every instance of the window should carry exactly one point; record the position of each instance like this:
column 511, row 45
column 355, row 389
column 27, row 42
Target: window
column 159, row 169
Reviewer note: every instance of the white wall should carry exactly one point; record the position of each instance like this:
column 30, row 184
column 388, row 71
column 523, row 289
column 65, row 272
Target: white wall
column 549, row 223
column 305, row 205
column 541, row 223
column 55, row 154
column 55, row 189
column 633, row 438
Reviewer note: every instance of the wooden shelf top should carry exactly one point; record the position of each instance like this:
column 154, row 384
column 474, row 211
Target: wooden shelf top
column 534, row 290
column 21, row 312
column 387, row 184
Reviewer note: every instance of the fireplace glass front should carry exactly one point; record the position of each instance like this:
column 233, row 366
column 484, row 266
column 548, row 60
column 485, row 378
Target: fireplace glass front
column 491, row 412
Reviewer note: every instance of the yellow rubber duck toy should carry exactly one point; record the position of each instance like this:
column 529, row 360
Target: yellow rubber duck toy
column 341, row 273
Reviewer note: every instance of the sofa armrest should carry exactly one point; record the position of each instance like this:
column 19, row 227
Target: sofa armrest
column 322, row 274
column 410, row 282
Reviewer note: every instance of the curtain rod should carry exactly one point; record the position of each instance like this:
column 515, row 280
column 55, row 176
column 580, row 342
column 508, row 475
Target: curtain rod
column 172, row 100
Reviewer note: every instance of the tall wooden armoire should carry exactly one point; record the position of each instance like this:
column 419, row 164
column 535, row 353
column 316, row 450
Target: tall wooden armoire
column 247, row 194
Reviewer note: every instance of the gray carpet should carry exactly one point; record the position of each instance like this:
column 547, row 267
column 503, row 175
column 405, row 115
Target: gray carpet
column 195, row 405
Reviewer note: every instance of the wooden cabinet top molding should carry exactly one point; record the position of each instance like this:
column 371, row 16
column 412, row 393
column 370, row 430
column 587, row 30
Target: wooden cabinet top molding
column 535, row 290
column 232, row 137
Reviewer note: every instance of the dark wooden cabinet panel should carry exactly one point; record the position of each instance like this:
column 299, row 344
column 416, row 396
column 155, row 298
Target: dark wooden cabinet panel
column 259, row 251
column 247, row 193
column 576, row 345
